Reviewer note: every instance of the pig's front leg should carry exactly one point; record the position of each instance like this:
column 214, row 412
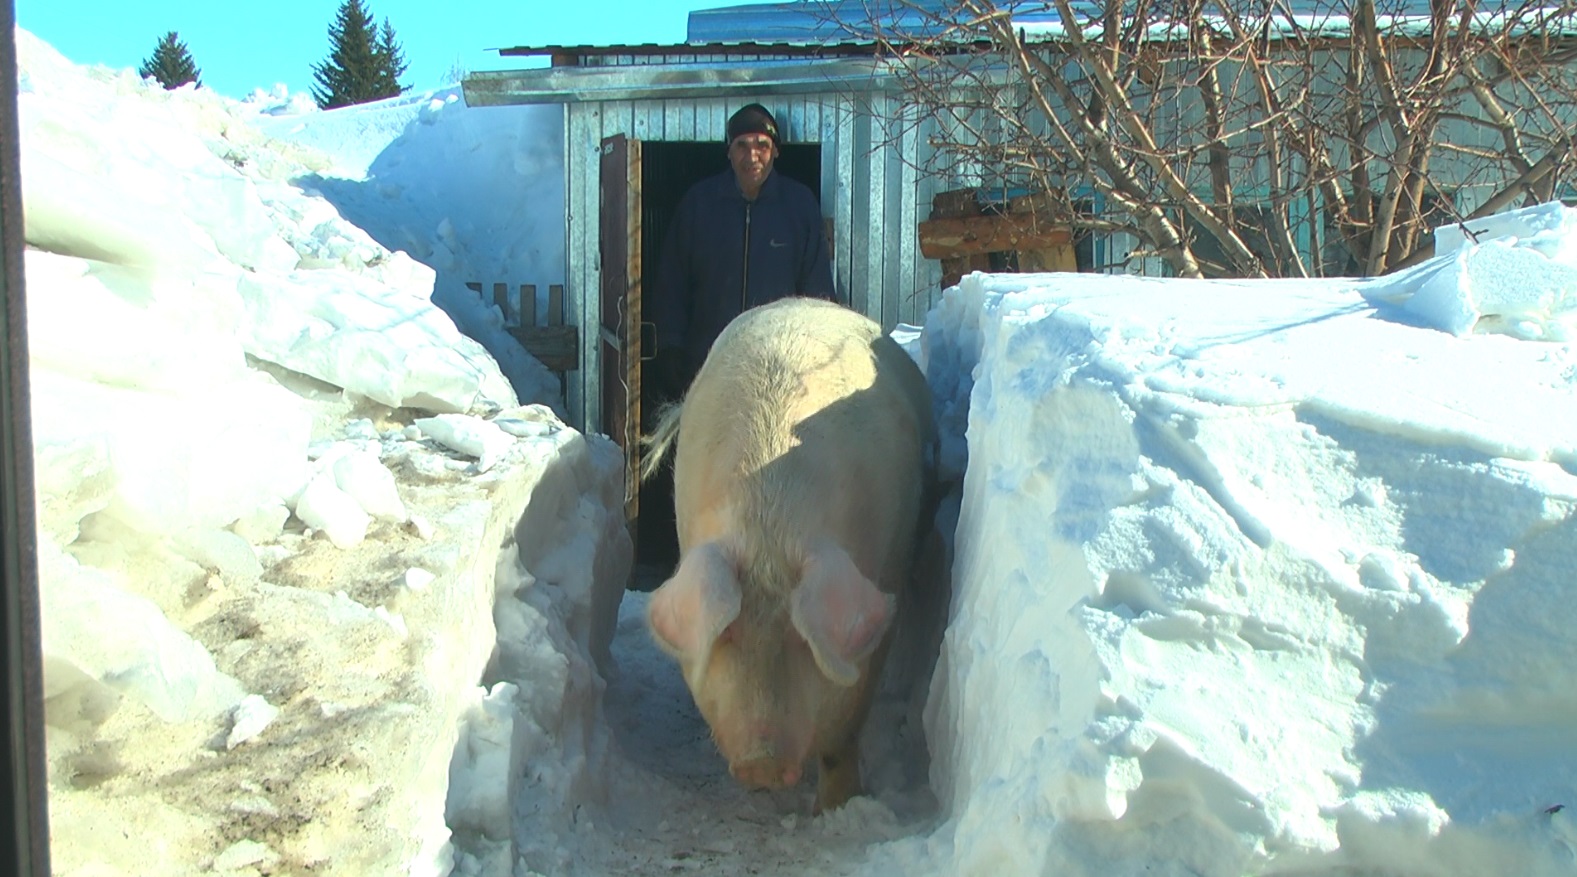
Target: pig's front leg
column 838, row 775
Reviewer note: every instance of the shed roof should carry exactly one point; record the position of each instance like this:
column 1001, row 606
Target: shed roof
column 820, row 45
column 666, row 81
column 753, row 48
column 899, row 21
column 827, row 28
column 856, row 21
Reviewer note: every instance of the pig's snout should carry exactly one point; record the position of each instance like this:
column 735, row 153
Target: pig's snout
column 765, row 771
column 770, row 757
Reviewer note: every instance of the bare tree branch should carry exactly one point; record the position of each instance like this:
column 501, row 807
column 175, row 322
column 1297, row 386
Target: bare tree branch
column 1246, row 137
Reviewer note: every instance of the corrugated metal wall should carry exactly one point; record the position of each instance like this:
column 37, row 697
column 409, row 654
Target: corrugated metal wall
column 871, row 188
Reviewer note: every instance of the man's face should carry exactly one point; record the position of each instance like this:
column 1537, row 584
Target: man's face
column 752, row 156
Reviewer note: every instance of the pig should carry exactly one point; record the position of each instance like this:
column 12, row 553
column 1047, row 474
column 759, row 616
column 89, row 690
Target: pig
column 804, row 455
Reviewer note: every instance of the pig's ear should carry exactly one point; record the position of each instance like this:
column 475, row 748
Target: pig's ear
column 841, row 615
column 690, row 610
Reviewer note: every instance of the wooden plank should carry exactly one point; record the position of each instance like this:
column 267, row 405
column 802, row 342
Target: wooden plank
column 557, row 347
column 974, row 235
column 501, row 299
column 528, row 305
column 613, row 244
column 630, row 351
column 555, row 304
column 618, row 326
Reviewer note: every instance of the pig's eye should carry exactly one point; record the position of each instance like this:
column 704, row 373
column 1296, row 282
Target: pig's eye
column 729, row 634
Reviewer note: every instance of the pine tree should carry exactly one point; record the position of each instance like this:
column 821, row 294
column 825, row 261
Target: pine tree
column 364, row 64
column 391, row 61
column 171, row 63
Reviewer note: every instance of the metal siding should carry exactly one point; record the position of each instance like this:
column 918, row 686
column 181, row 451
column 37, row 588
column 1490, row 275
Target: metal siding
column 645, row 121
column 929, row 270
column 905, row 243
column 907, row 238
column 581, row 136
column 670, row 118
column 712, row 124
column 684, row 121
column 618, row 117
column 892, row 289
column 844, row 178
column 874, row 195
column 862, row 232
column 792, row 122
column 874, row 157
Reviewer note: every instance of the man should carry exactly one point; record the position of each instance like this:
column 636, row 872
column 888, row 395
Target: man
column 742, row 238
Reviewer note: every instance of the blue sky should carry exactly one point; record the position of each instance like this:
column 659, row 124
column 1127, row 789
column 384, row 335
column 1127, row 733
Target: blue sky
column 239, row 47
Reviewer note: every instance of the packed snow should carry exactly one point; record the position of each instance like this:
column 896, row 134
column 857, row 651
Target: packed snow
column 286, row 505
column 1253, row 579
column 1245, row 577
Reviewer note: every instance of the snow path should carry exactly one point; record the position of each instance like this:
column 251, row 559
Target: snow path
column 674, row 808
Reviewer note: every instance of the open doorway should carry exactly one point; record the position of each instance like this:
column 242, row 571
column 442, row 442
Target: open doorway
column 668, row 170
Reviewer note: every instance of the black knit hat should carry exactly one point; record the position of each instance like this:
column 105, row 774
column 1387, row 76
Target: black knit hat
column 752, row 119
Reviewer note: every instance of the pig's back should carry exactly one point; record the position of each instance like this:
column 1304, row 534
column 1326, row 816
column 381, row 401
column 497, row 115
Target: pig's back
column 805, row 423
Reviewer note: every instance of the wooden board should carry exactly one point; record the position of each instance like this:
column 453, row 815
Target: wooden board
column 557, row 347
column 974, row 235
column 619, row 329
column 955, row 204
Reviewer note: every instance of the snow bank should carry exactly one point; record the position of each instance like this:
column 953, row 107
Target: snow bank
column 1514, row 273
column 1250, row 580
column 318, row 708
column 268, row 592
column 475, row 194
column 180, row 194
column 534, row 749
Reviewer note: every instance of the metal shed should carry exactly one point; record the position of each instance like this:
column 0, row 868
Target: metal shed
column 643, row 122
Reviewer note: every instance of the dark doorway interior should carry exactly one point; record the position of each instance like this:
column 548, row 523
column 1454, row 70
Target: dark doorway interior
column 668, row 170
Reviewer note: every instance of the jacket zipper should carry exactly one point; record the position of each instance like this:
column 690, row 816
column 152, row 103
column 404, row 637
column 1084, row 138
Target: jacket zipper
column 744, row 286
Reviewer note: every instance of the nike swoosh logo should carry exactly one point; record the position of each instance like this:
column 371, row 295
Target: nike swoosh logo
column 777, row 244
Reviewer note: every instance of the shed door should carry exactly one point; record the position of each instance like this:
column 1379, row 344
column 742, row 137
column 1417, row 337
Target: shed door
column 619, row 327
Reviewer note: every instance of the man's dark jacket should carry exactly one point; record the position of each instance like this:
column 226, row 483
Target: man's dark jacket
column 724, row 254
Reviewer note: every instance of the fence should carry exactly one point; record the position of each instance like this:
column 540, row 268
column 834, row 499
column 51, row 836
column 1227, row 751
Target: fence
column 540, row 330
